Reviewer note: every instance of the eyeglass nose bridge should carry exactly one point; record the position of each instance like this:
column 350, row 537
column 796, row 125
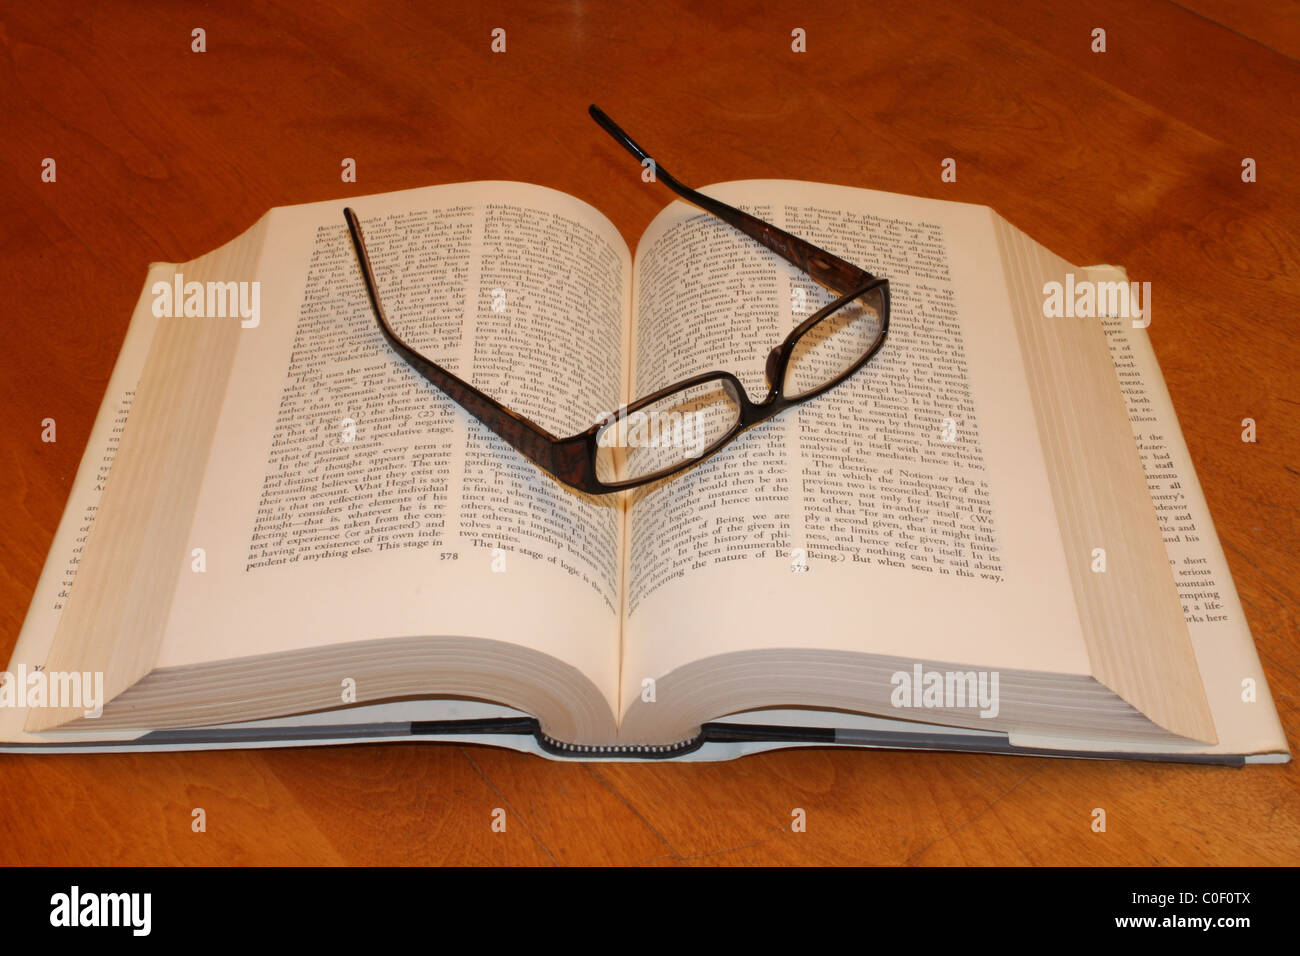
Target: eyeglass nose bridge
column 773, row 363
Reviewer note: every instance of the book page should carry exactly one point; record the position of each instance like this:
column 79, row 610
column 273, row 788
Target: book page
column 1235, row 684
column 59, row 571
column 907, row 512
column 348, row 498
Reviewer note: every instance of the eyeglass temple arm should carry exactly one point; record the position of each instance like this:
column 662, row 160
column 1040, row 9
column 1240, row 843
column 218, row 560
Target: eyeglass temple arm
column 827, row 269
column 564, row 458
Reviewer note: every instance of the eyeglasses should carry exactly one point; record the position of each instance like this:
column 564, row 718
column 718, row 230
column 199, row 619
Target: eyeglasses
column 679, row 426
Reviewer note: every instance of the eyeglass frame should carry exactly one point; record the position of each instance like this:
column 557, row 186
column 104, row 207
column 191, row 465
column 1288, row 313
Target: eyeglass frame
column 572, row 460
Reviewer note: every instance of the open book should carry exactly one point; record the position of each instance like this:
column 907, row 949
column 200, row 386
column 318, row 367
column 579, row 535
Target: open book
column 989, row 538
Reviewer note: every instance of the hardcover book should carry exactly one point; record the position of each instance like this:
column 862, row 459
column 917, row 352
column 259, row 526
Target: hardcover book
column 989, row 538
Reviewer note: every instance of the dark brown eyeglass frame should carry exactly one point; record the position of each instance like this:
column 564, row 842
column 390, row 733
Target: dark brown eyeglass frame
column 573, row 460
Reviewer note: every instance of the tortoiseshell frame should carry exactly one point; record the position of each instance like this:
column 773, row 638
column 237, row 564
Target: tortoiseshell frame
column 573, row 460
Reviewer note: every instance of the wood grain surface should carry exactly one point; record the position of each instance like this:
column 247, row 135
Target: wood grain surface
column 1132, row 157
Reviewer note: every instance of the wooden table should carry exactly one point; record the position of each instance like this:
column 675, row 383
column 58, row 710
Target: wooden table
column 1132, row 156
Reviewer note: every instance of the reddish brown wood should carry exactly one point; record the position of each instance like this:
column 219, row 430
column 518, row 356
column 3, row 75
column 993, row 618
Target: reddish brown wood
column 1132, row 156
